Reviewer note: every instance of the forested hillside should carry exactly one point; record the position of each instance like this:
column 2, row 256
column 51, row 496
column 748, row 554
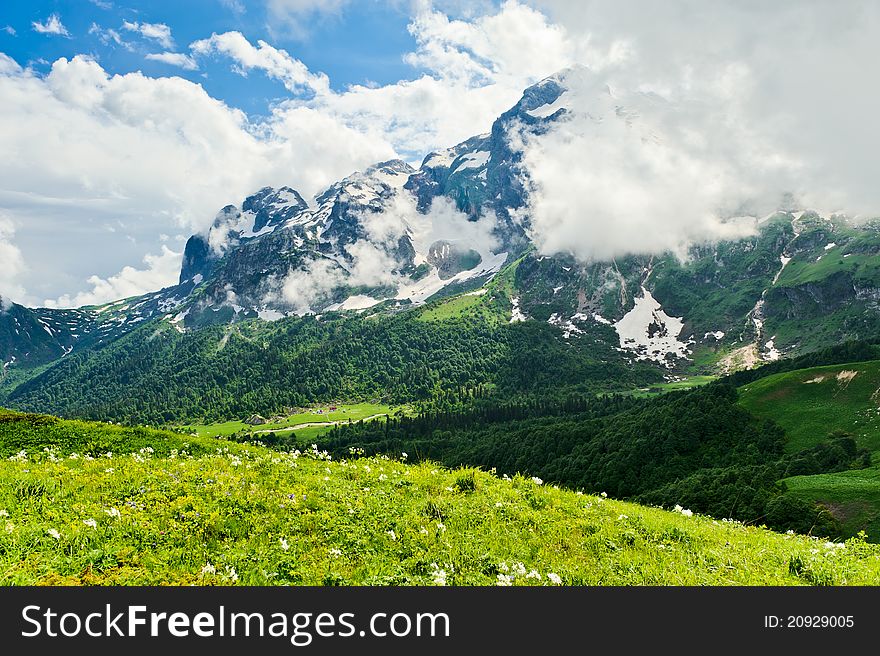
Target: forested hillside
column 158, row 375
column 699, row 447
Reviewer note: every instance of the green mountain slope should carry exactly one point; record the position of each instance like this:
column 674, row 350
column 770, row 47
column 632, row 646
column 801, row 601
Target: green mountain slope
column 247, row 515
column 810, row 404
column 155, row 374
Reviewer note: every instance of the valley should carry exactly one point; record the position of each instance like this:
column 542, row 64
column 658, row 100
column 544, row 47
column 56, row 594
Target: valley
column 704, row 415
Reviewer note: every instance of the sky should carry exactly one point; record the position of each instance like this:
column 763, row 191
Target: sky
column 126, row 125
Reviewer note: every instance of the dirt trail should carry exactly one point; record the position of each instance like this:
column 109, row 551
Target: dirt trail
column 316, row 423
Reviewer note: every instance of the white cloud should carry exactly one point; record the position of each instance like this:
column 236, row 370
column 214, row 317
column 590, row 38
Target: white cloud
column 471, row 71
column 235, row 6
column 294, row 17
column 795, row 73
column 759, row 99
column 159, row 154
column 108, row 36
column 102, row 4
column 178, row 59
column 372, row 262
column 156, row 31
column 161, row 271
column 53, row 25
column 13, row 263
column 308, row 289
column 275, row 63
column 9, row 30
column 627, row 172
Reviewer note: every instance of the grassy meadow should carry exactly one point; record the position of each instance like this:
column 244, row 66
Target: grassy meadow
column 170, row 509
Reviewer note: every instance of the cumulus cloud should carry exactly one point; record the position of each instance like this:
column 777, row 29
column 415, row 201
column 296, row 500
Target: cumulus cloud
column 161, row 271
column 751, row 98
column 178, row 59
column 794, row 72
column 701, row 120
column 159, row 154
column 13, row 263
column 469, row 71
column 158, row 32
column 52, row 25
column 631, row 172
column 274, row 62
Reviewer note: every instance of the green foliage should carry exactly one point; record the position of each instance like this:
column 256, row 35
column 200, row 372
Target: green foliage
column 34, row 433
column 698, row 448
column 810, row 403
column 158, row 375
column 248, row 515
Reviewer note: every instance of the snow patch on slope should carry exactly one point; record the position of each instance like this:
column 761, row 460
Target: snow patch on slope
column 650, row 333
column 516, row 315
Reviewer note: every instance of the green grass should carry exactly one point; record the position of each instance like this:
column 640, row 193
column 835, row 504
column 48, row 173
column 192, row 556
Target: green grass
column 853, row 497
column 353, row 411
column 808, row 411
column 241, row 514
column 454, row 308
column 800, row 272
column 661, row 388
column 34, row 433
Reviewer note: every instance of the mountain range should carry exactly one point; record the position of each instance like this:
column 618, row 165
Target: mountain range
column 392, row 252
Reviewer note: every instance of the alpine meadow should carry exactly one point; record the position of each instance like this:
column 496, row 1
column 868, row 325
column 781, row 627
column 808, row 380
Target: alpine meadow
column 518, row 293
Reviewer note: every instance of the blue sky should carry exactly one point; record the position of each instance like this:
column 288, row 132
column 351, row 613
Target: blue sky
column 364, row 44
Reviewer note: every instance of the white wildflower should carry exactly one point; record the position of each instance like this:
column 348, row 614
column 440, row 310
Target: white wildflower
column 284, row 544
column 4, row 513
column 113, row 512
column 533, row 574
column 438, row 574
column 91, row 523
column 208, row 569
column 537, row 481
column 555, row 579
column 336, row 553
column 504, row 580
column 404, row 455
column 53, row 532
column 441, row 527
column 392, row 534
column 231, row 574
column 604, row 495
